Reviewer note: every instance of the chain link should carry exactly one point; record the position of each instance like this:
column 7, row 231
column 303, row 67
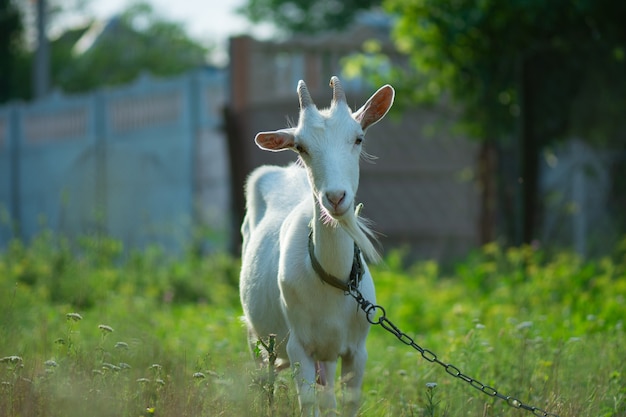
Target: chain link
column 377, row 315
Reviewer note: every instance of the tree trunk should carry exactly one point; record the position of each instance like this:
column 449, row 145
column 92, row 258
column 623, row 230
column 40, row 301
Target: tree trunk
column 487, row 171
column 529, row 153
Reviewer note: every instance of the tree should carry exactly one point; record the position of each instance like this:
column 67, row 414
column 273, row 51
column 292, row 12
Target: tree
column 11, row 48
column 306, row 16
column 523, row 72
column 137, row 41
column 522, row 66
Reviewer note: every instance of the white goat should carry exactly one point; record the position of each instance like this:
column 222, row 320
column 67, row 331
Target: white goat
column 300, row 232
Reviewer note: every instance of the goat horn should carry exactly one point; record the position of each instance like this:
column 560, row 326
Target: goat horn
column 338, row 93
column 304, row 96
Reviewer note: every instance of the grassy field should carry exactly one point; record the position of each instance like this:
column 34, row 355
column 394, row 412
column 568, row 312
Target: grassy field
column 87, row 331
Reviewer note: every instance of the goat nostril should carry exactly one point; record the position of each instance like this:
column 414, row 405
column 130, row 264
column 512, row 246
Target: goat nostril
column 335, row 197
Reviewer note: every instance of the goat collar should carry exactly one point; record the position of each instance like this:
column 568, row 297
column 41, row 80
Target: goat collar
column 355, row 274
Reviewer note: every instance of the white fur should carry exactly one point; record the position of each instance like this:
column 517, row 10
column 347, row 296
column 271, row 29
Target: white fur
column 280, row 292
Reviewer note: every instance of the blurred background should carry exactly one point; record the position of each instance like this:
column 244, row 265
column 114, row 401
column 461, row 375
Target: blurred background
column 135, row 120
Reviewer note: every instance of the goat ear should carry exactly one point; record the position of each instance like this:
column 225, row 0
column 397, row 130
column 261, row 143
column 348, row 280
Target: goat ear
column 376, row 107
column 278, row 140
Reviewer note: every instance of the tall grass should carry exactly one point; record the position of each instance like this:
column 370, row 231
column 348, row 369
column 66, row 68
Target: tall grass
column 87, row 329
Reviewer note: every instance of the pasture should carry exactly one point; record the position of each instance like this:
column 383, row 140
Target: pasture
column 88, row 331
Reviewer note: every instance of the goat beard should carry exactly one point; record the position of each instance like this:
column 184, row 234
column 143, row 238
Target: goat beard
column 359, row 230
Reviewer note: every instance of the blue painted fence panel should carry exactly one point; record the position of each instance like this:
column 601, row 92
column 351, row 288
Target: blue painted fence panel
column 56, row 166
column 149, row 163
column 122, row 162
column 7, row 202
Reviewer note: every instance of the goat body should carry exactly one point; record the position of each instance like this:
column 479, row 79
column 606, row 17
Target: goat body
column 315, row 323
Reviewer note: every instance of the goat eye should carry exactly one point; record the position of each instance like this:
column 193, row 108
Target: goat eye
column 358, row 140
column 300, row 149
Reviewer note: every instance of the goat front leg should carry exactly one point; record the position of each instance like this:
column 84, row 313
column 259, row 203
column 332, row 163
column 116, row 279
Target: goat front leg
column 304, row 374
column 326, row 378
column 352, row 372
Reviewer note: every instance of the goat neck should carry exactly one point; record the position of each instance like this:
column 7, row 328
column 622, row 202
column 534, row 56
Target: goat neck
column 333, row 246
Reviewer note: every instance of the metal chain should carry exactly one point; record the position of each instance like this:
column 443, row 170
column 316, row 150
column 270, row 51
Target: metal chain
column 377, row 315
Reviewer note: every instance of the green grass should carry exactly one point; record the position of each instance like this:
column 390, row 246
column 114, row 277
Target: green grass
column 88, row 331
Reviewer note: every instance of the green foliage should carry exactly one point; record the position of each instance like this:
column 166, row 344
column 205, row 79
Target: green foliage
column 11, row 47
column 515, row 284
column 87, row 272
column 567, row 55
column 518, row 319
column 91, row 323
column 522, row 74
column 139, row 41
column 87, row 330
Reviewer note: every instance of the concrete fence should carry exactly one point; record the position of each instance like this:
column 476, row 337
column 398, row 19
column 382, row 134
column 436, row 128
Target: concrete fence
column 146, row 163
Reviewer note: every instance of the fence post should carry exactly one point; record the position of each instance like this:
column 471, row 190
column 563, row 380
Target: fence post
column 100, row 154
column 14, row 143
column 193, row 131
